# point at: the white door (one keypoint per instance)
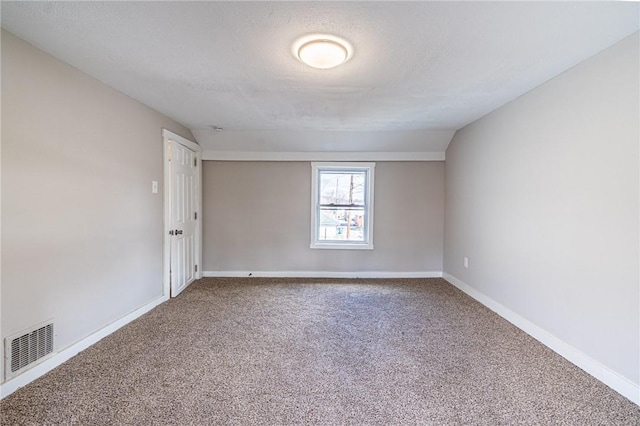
(183, 216)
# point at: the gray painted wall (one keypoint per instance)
(81, 230)
(257, 218)
(542, 197)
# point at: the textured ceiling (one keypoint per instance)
(419, 69)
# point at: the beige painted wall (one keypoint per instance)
(542, 197)
(257, 218)
(81, 230)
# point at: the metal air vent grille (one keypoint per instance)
(28, 348)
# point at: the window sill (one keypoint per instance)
(342, 246)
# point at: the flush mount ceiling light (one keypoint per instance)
(322, 51)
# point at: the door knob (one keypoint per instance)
(178, 232)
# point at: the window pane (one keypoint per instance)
(342, 187)
(338, 224)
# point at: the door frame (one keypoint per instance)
(169, 137)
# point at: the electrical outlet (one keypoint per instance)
(465, 262)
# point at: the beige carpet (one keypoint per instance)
(328, 352)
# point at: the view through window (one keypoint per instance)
(342, 206)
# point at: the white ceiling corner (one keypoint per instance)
(420, 70)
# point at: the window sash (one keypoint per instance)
(343, 206)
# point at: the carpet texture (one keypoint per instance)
(261, 351)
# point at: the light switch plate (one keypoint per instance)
(154, 186)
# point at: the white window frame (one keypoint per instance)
(316, 168)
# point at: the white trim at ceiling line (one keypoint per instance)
(610, 378)
(321, 156)
(23, 379)
(322, 274)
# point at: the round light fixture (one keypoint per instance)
(322, 51)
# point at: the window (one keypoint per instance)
(342, 205)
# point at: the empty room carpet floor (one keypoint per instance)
(257, 351)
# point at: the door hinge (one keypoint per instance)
(195, 215)
(196, 268)
(195, 162)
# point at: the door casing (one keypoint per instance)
(168, 139)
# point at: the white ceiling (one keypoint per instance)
(420, 70)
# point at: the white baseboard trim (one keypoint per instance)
(615, 381)
(10, 386)
(323, 274)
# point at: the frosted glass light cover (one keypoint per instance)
(322, 54)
